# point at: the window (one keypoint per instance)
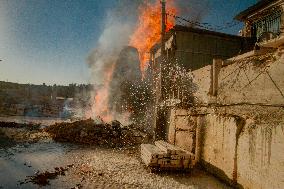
(270, 23)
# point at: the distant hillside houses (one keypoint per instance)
(41, 100)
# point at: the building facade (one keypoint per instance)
(194, 48)
(264, 20)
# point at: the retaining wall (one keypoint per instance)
(241, 152)
(256, 80)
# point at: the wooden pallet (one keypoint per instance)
(166, 156)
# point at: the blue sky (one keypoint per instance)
(50, 40)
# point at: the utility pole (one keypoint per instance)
(163, 48)
(163, 2)
(159, 130)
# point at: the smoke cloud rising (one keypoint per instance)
(115, 36)
(119, 26)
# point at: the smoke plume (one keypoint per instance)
(115, 36)
(115, 83)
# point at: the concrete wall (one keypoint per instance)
(250, 82)
(202, 79)
(248, 154)
(181, 129)
(241, 144)
(244, 81)
(261, 156)
(219, 145)
(241, 152)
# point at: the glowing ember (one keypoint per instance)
(149, 29)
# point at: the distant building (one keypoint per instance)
(264, 20)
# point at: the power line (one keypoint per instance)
(205, 25)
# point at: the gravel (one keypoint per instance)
(122, 168)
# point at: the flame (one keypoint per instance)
(148, 31)
(99, 107)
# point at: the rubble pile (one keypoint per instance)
(164, 156)
(90, 132)
(30, 126)
(11, 132)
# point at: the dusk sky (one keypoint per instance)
(48, 41)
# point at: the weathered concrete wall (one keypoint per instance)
(251, 82)
(219, 145)
(202, 79)
(245, 81)
(181, 129)
(242, 144)
(240, 151)
(261, 156)
(249, 154)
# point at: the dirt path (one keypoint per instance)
(93, 167)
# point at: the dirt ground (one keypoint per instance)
(89, 166)
(92, 167)
(122, 168)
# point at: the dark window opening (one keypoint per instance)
(268, 24)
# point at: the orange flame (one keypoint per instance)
(100, 105)
(149, 29)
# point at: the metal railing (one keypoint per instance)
(268, 24)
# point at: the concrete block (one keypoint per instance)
(149, 161)
(175, 157)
